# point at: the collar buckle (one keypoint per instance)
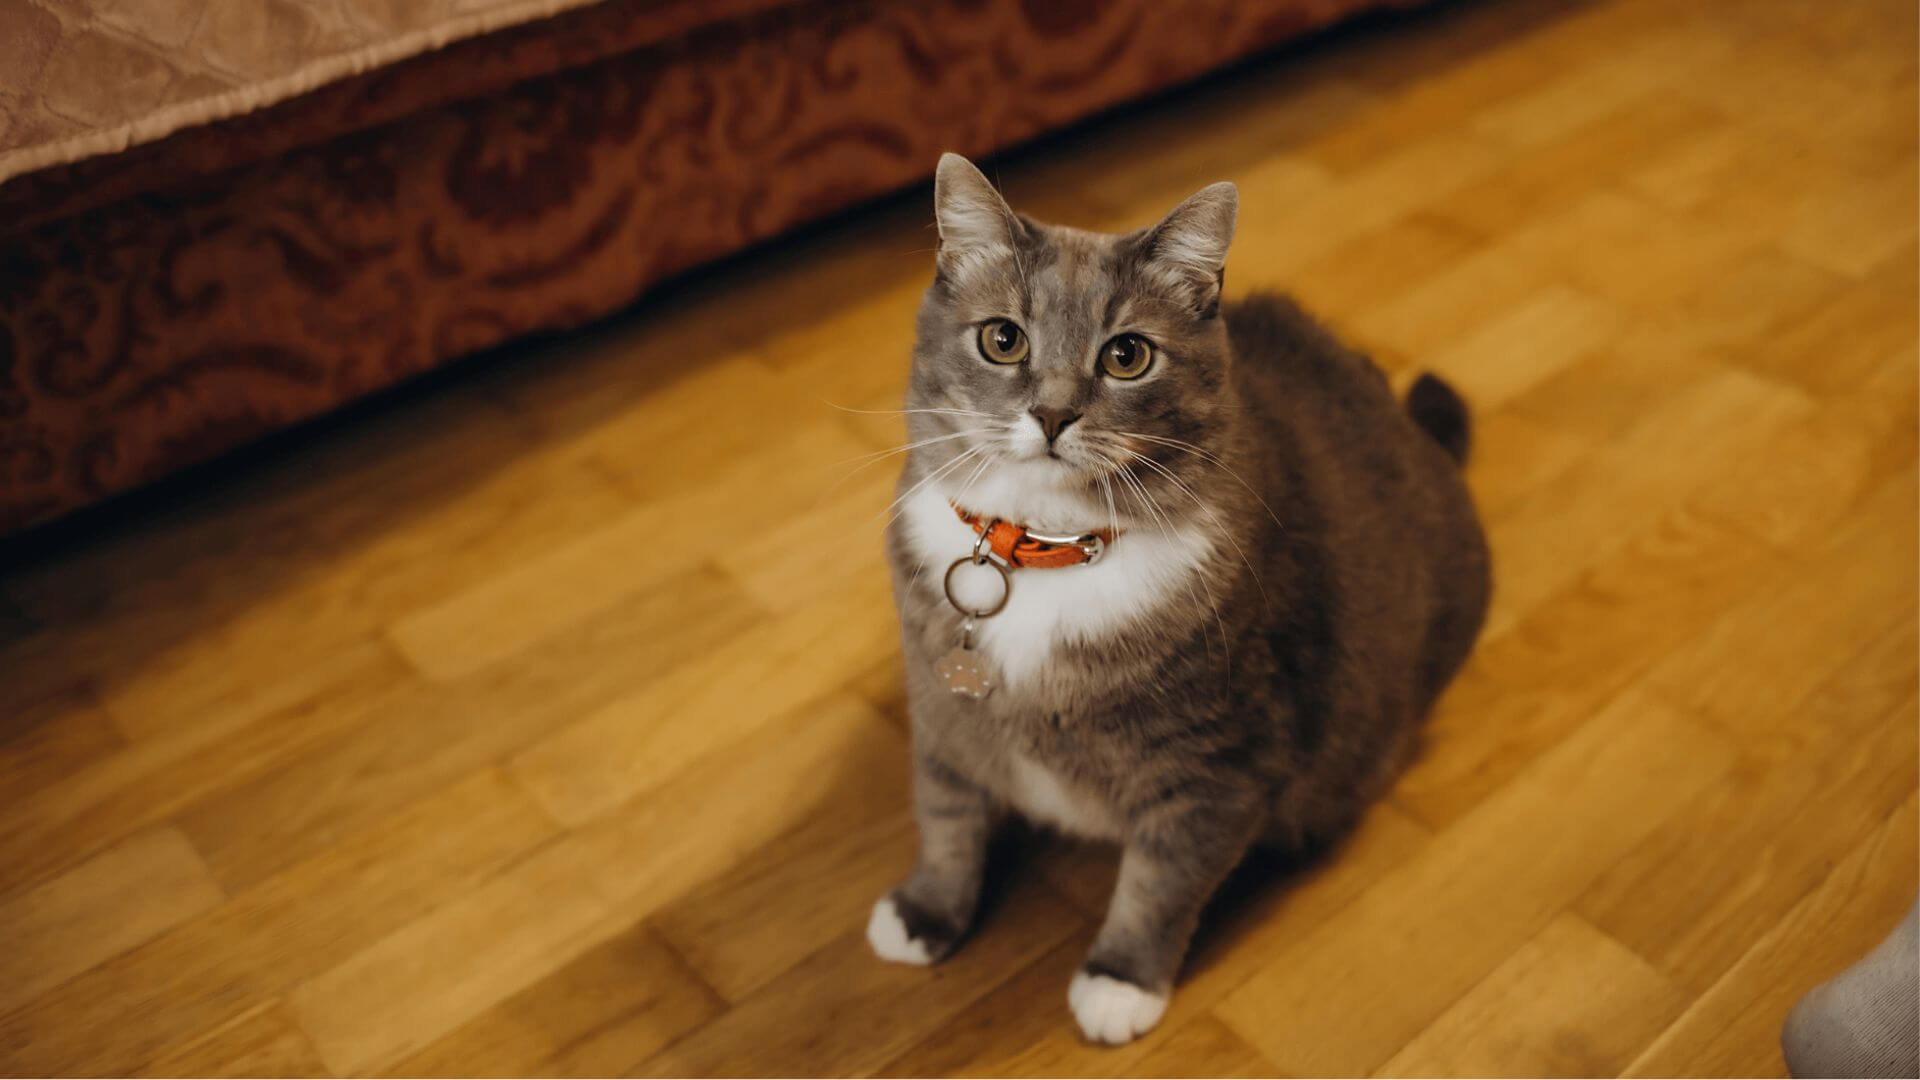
(1091, 544)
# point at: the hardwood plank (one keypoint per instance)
(1340, 1001)
(659, 540)
(203, 622)
(1024, 1028)
(262, 942)
(1672, 453)
(1855, 335)
(1529, 687)
(822, 878)
(48, 739)
(1292, 234)
(431, 975)
(845, 1010)
(1734, 1028)
(719, 318)
(1604, 395)
(220, 544)
(1437, 80)
(1816, 474)
(1105, 175)
(1030, 1008)
(121, 898)
(1849, 231)
(263, 1041)
(609, 1007)
(1380, 264)
(1762, 657)
(1631, 252)
(1692, 898)
(254, 829)
(812, 354)
(1570, 1002)
(735, 805)
(722, 408)
(1512, 456)
(1201, 1047)
(1542, 334)
(44, 831)
(1533, 182)
(463, 958)
(452, 541)
(1586, 92)
(1454, 302)
(1748, 301)
(170, 699)
(639, 741)
(787, 567)
(1780, 89)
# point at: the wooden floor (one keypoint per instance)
(527, 724)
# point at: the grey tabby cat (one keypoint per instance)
(1231, 574)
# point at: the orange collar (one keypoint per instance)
(1018, 546)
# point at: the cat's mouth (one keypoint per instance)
(1060, 461)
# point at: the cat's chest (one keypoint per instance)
(1045, 796)
(1047, 608)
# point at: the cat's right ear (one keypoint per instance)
(974, 220)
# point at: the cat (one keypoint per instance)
(1268, 569)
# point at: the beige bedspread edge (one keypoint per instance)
(259, 95)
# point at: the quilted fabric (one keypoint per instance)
(159, 329)
(85, 77)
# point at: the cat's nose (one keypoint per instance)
(1053, 421)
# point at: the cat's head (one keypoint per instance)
(1060, 358)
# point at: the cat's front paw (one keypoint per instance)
(1111, 1010)
(902, 933)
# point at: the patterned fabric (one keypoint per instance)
(161, 327)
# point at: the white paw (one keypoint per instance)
(888, 936)
(1112, 1011)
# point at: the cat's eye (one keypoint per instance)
(1127, 356)
(1002, 342)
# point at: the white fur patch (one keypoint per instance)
(1026, 439)
(1040, 795)
(1143, 568)
(887, 933)
(1111, 1011)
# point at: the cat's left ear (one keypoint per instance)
(1187, 252)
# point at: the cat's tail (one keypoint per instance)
(1440, 412)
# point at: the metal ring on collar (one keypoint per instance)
(983, 547)
(1006, 586)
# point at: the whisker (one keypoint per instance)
(916, 444)
(875, 457)
(904, 412)
(925, 480)
(1106, 488)
(1211, 516)
(1205, 456)
(1153, 507)
(892, 507)
(978, 470)
(904, 447)
(986, 457)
